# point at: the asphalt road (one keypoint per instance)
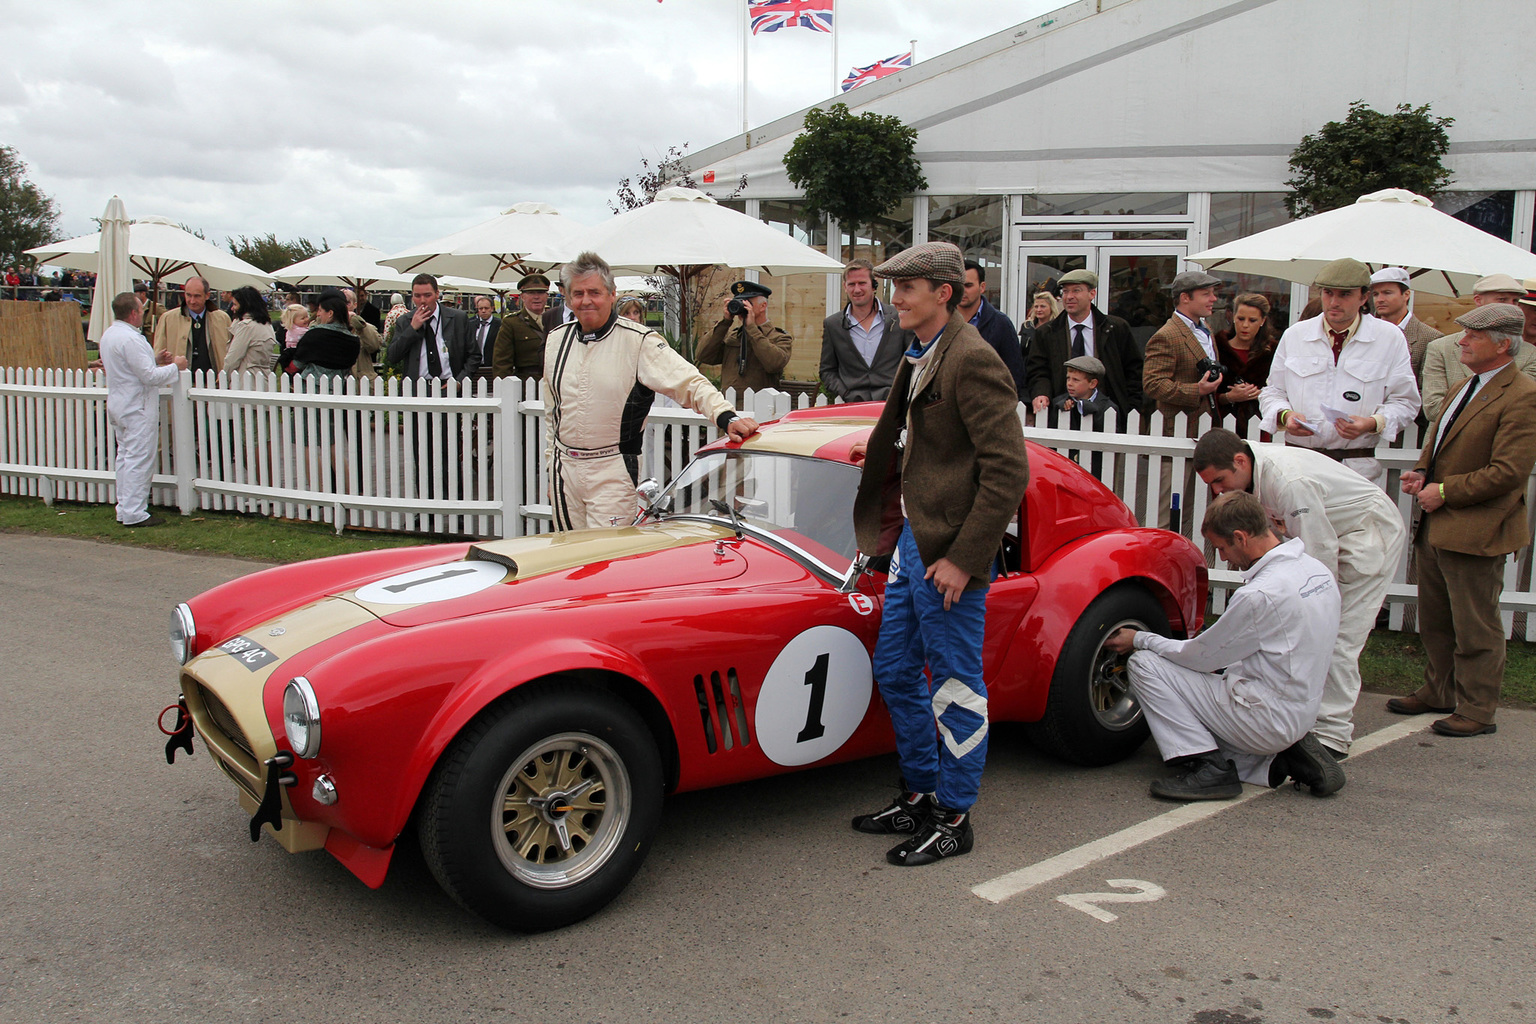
(130, 891)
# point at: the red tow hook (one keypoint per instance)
(181, 735)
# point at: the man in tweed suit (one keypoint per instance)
(1171, 374)
(944, 472)
(1470, 487)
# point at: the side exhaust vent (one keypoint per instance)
(721, 711)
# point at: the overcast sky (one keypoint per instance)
(396, 122)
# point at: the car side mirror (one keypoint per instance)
(649, 492)
(859, 567)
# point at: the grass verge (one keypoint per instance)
(1394, 663)
(232, 534)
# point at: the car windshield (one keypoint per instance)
(805, 502)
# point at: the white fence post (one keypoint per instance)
(183, 448)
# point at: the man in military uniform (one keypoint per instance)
(519, 350)
(760, 362)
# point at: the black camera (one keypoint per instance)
(1210, 369)
(737, 307)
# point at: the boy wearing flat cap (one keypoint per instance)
(752, 353)
(944, 472)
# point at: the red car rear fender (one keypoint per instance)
(1164, 563)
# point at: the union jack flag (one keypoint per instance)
(879, 69)
(772, 15)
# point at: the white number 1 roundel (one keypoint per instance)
(814, 697)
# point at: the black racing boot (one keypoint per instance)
(905, 814)
(1208, 777)
(1308, 762)
(946, 833)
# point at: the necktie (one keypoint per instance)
(1338, 343)
(1078, 347)
(434, 361)
(1445, 427)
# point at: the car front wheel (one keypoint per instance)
(544, 808)
(1091, 718)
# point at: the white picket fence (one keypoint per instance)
(452, 460)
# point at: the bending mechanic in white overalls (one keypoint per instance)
(1345, 521)
(135, 375)
(599, 374)
(1237, 703)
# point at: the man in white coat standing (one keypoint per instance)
(1344, 521)
(1342, 382)
(1236, 704)
(135, 375)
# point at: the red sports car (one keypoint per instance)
(529, 702)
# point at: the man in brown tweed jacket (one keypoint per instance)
(944, 473)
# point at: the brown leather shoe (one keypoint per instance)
(1461, 725)
(1411, 705)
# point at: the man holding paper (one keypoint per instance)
(1343, 381)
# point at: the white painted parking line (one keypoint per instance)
(1005, 886)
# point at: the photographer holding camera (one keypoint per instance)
(1183, 372)
(752, 353)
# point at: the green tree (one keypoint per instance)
(856, 168)
(28, 218)
(1366, 152)
(266, 252)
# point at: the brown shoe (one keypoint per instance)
(1461, 725)
(1411, 705)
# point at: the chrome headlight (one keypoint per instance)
(183, 634)
(301, 717)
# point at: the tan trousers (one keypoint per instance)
(1463, 633)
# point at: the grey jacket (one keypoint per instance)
(844, 373)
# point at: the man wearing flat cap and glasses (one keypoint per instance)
(944, 472)
(1341, 382)
(1470, 485)
(1443, 368)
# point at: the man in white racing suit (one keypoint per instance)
(1342, 382)
(1344, 521)
(600, 373)
(1237, 703)
(135, 375)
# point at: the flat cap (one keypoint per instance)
(533, 283)
(1530, 292)
(1086, 364)
(140, 286)
(1193, 280)
(1086, 277)
(1497, 283)
(933, 261)
(1503, 317)
(750, 290)
(1392, 275)
(1345, 273)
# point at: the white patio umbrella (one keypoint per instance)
(521, 239)
(1390, 228)
(113, 273)
(684, 233)
(159, 251)
(351, 264)
(470, 286)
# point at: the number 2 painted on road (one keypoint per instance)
(1088, 902)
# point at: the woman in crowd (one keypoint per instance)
(1246, 351)
(252, 342)
(1042, 310)
(329, 348)
(397, 309)
(632, 309)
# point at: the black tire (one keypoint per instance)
(496, 849)
(1090, 716)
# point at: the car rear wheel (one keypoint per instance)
(544, 808)
(1090, 716)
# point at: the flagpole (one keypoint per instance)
(914, 51)
(745, 128)
(836, 23)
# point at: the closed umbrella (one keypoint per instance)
(112, 274)
(521, 239)
(162, 252)
(351, 264)
(1390, 228)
